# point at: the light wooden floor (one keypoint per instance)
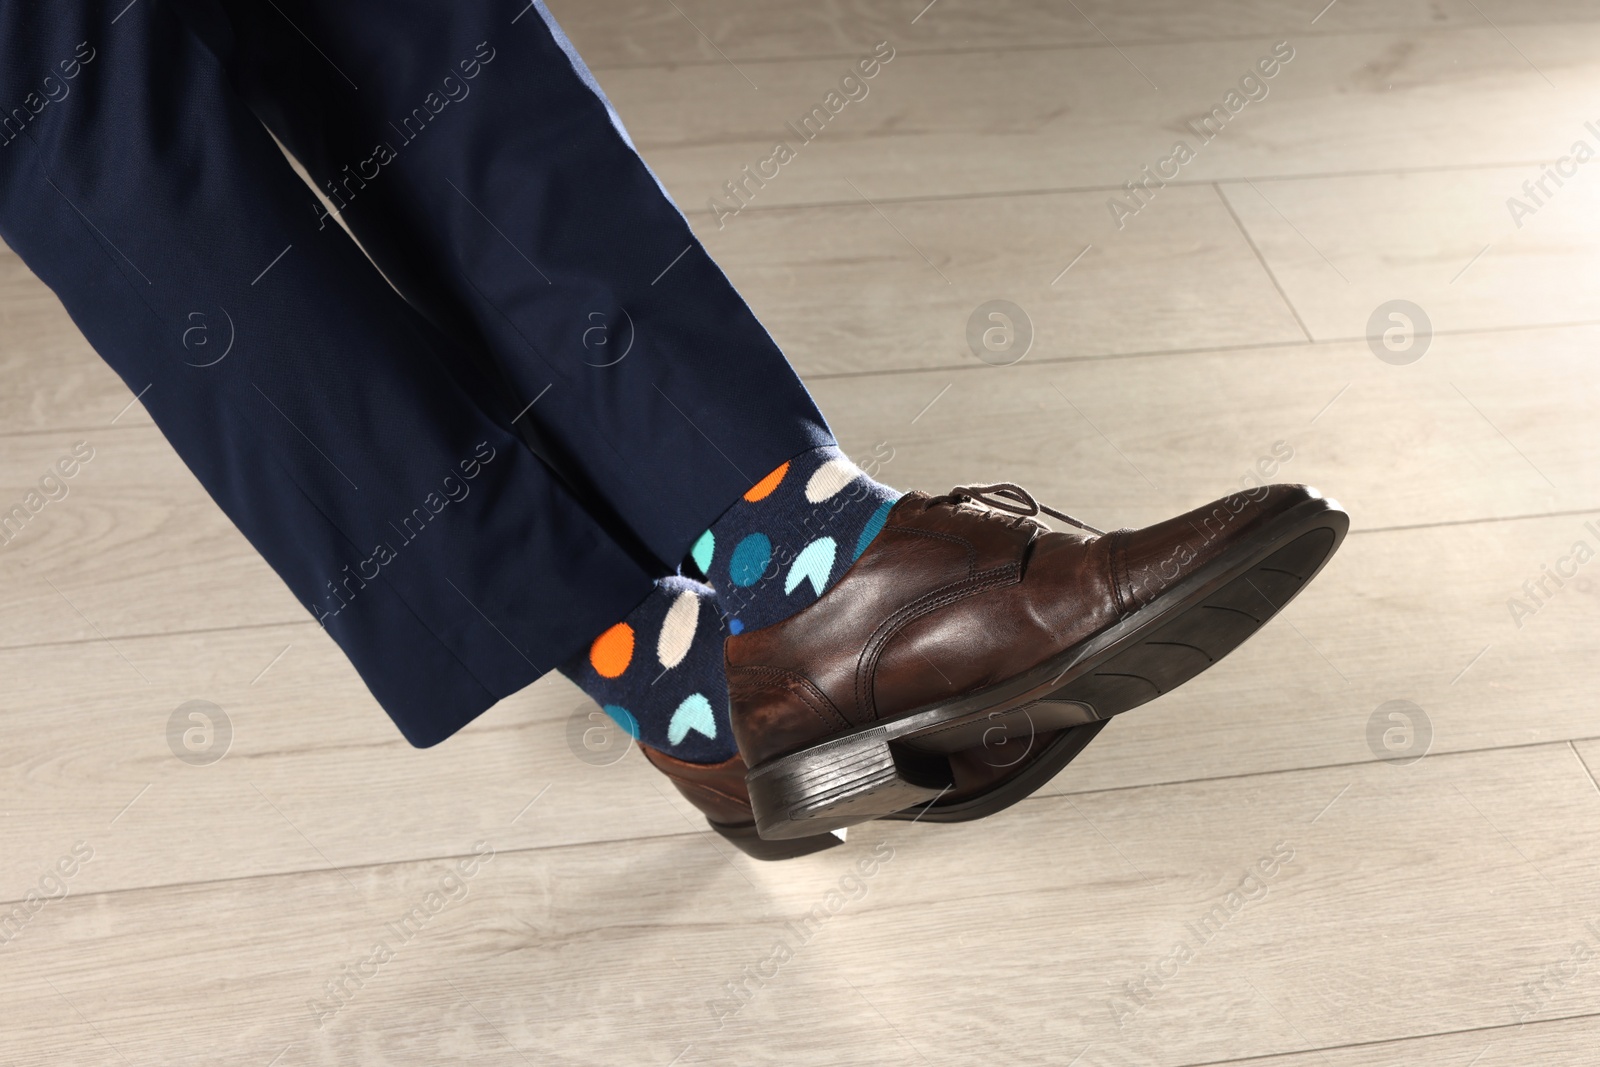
(1442, 911)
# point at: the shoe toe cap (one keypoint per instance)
(1149, 560)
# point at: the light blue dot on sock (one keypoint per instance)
(695, 713)
(750, 559)
(814, 563)
(623, 718)
(702, 551)
(873, 527)
(735, 626)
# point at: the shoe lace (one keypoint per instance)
(1011, 499)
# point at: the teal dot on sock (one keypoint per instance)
(874, 525)
(750, 559)
(623, 718)
(702, 551)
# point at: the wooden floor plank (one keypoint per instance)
(1422, 900)
(53, 378)
(134, 546)
(1559, 1042)
(636, 32)
(1482, 427)
(1003, 121)
(903, 285)
(1344, 247)
(299, 770)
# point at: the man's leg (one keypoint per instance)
(470, 153)
(336, 427)
(889, 638)
(483, 170)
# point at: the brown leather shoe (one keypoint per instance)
(965, 616)
(986, 779)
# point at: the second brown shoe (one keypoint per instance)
(964, 615)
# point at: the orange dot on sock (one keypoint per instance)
(763, 489)
(612, 651)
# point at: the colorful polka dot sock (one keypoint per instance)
(791, 536)
(659, 673)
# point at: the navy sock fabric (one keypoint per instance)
(659, 673)
(790, 537)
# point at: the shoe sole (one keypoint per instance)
(879, 770)
(1045, 766)
(1050, 761)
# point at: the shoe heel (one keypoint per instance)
(746, 840)
(840, 782)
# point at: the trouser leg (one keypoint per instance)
(341, 431)
(475, 159)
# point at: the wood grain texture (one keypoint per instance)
(1436, 911)
(135, 546)
(315, 775)
(1558, 1041)
(854, 289)
(1482, 427)
(53, 379)
(1400, 901)
(637, 32)
(1341, 247)
(960, 123)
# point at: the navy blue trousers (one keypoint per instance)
(466, 455)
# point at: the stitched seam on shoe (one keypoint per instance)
(867, 666)
(798, 685)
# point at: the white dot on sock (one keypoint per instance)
(678, 628)
(831, 477)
